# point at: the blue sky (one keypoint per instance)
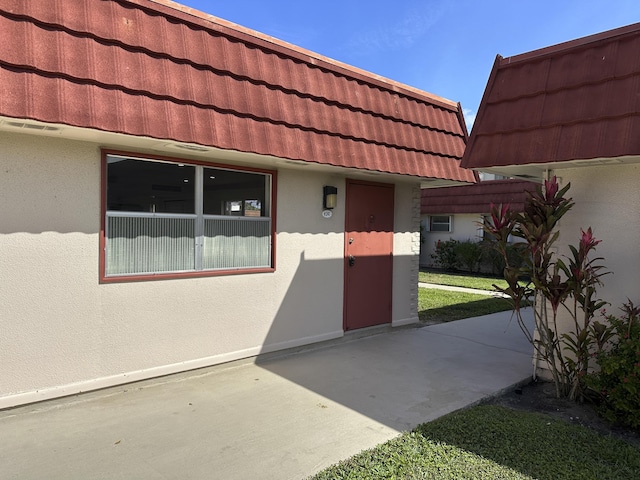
(446, 47)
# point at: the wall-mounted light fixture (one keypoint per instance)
(329, 197)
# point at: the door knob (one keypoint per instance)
(352, 260)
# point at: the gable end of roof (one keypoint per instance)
(573, 101)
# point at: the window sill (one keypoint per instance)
(175, 276)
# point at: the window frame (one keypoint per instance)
(483, 235)
(450, 223)
(271, 196)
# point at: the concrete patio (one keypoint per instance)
(284, 416)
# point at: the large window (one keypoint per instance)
(165, 217)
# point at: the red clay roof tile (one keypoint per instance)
(143, 68)
(475, 198)
(572, 101)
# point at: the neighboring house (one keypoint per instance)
(457, 212)
(179, 191)
(573, 110)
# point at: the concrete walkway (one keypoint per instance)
(280, 417)
(435, 286)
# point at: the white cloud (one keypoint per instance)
(469, 117)
(401, 34)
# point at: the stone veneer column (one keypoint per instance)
(415, 248)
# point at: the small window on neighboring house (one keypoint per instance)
(440, 223)
(485, 219)
(168, 217)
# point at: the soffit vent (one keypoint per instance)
(297, 163)
(191, 148)
(31, 126)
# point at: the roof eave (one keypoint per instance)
(570, 45)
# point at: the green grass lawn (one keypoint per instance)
(445, 306)
(488, 442)
(492, 442)
(481, 283)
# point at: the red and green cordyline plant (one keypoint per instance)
(555, 284)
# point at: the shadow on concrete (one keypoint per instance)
(405, 376)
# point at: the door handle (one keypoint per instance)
(352, 260)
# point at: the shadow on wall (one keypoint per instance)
(311, 306)
(327, 296)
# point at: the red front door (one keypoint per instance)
(368, 250)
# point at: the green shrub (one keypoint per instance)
(468, 255)
(445, 254)
(493, 262)
(516, 253)
(617, 384)
(474, 257)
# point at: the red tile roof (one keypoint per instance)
(161, 70)
(475, 198)
(573, 101)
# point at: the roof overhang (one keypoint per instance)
(536, 172)
(171, 148)
(438, 182)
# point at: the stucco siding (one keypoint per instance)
(64, 332)
(50, 308)
(607, 199)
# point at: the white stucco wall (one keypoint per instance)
(607, 199)
(465, 227)
(63, 332)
